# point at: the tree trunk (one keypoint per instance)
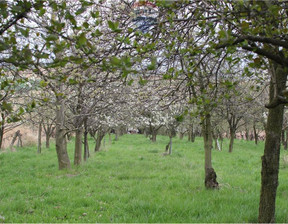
(61, 145)
(47, 140)
(210, 175)
(110, 139)
(170, 146)
(48, 129)
(78, 147)
(2, 128)
(100, 136)
(154, 135)
(193, 136)
(247, 134)
(270, 159)
(16, 135)
(117, 133)
(39, 137)
(86, 145)
(1, 136)
(255, 134)
(232, 137)
(286, 141)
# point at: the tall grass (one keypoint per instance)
(131, 181)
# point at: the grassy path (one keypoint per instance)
(130, 181)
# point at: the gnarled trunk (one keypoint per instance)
(270, 159)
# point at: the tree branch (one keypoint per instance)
(14, 20)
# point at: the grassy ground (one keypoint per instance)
(130, 181)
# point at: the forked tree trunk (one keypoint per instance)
(270, 159)
(48, 129)
(16, 136)
(210, 175)
(61, 145)
(154, 136)
(47, 140)
(78, 147)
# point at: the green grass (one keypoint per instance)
(130, 181)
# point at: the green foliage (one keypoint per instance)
(114, 26)
(130, 181)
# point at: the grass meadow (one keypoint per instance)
(131, 181)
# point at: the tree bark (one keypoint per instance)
(86, 145)
(170, 146)
(117, 133)
(232, 137)
(2, 128)
(78, 147)
(100, 136)
(39, 137)
(48, 129)
(270, 159)
(154, 136)
(286, 140)
(16, 135)
(47, 140)
(61, 145)
(210, 175)
(255, 134)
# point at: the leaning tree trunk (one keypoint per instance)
(270, 159)
(210, 175)
(61, 145)
(78, 147)
(100, 136)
